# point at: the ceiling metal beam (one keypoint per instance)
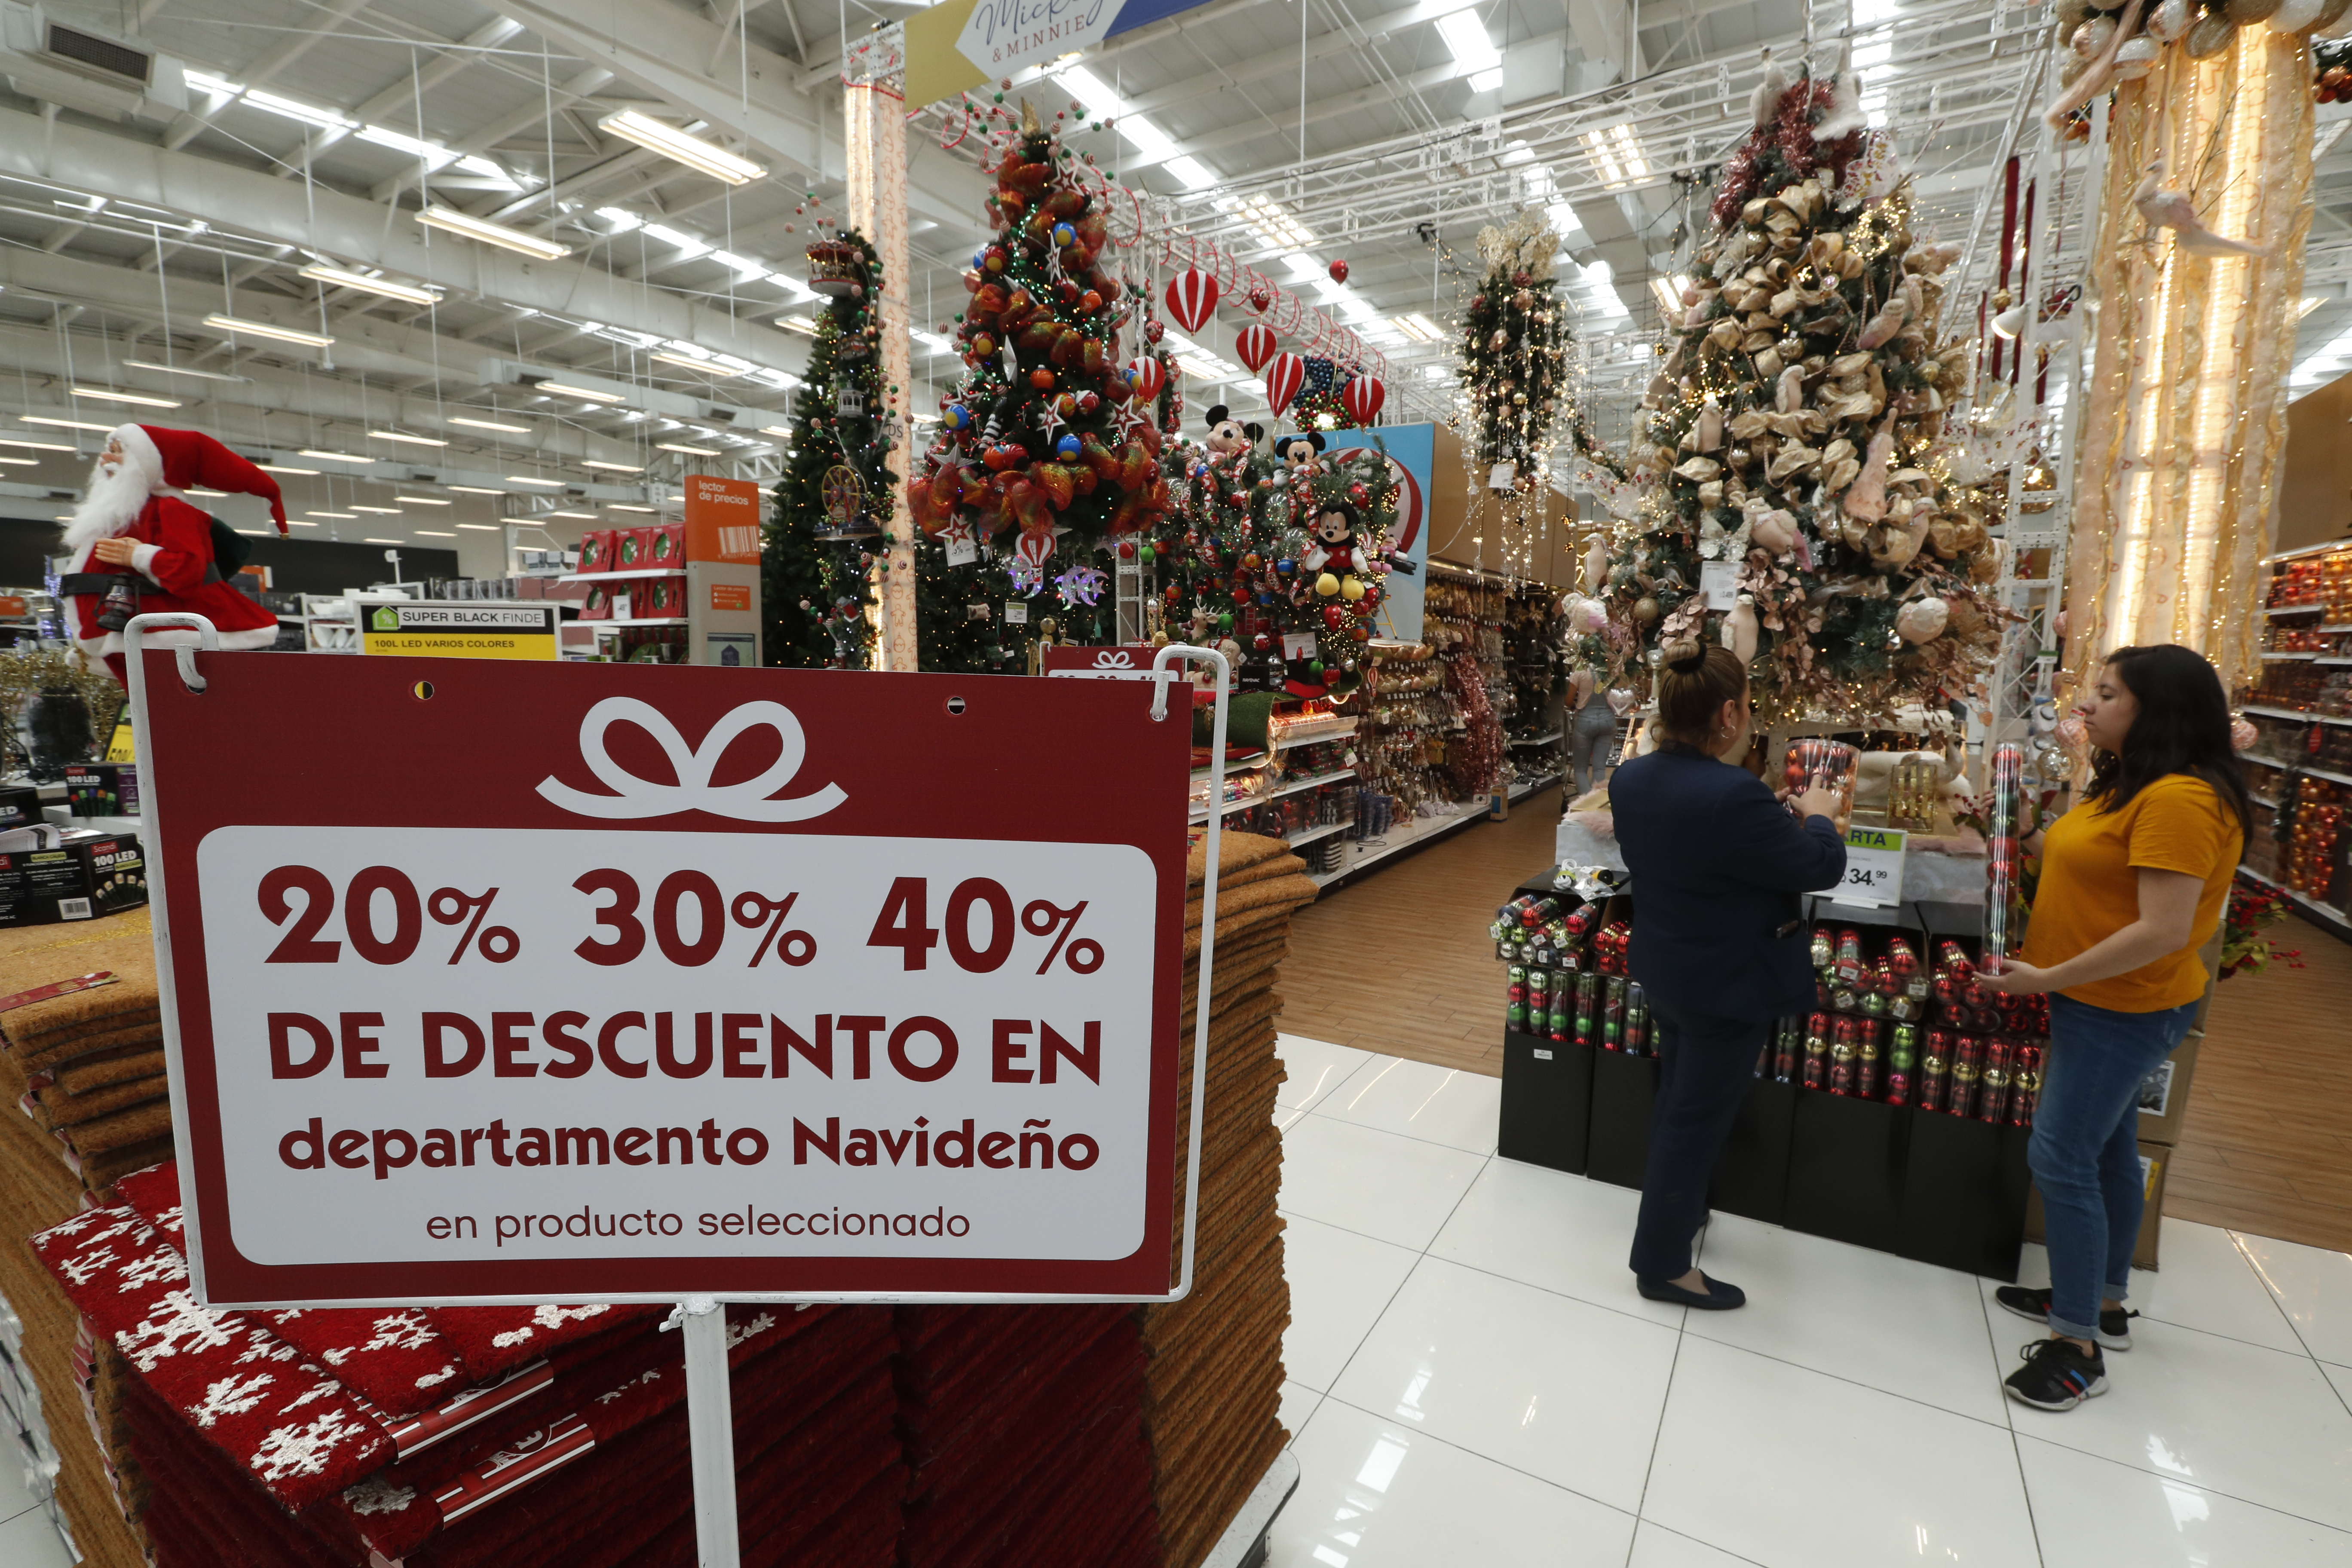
(244, 201)
(265, 66)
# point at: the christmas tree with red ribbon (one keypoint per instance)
(1044, 456)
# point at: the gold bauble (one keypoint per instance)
(1645, 610)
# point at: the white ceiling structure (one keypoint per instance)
(155, 242)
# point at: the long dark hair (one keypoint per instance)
(2183, 728)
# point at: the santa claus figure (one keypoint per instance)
(138, 549)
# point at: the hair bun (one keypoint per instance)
(1685, 657)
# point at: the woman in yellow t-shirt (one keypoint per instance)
(2133, 882)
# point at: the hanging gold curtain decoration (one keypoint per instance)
(2185, 419)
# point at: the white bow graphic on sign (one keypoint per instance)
(1114, 658)
(637, 798)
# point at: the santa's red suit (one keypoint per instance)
(174, 564)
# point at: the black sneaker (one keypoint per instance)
(2115, 1322)
(2056, 1375)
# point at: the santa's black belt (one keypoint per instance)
(73, 585)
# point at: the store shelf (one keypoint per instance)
(2294, 609)
(1521, 792)
(2335, 920)
(1250, 800)
(1286, 743)
(1421, 830)
(1539, 740)
(2280, 657)
(2328, 658)
(632, 621)
(2261, 800)
(1309, 835)
(2301, 717)
(622, 576)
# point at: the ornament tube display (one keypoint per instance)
(2004, 923)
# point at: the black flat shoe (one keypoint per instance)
(1718, 1297)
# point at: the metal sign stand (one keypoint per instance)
(702, 1320)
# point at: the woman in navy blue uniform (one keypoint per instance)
(1719, 940)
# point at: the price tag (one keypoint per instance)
(1016, 614)
(1873, 867)
(963, 551)
(1718, 583)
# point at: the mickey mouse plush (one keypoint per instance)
(1338, 548)
(1300, 449)
(1228, 435)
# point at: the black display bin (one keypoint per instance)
(1547, 1101)
(1625, 1091)
(1964, 1194)
(1847, 1162)
(1751, 1176)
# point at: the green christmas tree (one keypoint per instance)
(1795, 434)
(1041, 453)
(834, 500)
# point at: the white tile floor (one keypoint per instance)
(1472, 1379)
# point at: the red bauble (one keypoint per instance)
(1126, 550)
(1260, 296)
(1090, 301)
(1334, 617)
(1088, 401)
(1261, 642)
(1358, 493)
(1042, 379)
(1153, 331)
(1241, 596)
(1338, 271)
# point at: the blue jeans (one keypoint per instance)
(1592, 732)
(2085, 1149)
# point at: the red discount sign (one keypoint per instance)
(548, 981)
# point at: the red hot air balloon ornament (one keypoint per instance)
(1362, 398)
(1338, 271)
(1191, 297)
(1256, 344)
(1284, 377)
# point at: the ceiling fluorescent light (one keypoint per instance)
(282, 469)
(338, 516)
(380, 511)
(708, 367)
(797, 324)
(383, 542)
(200, 491)
(487, 425)
(141, 398)
(471, 490)
(451, 221)
(1465, 36)
(298, 522)
(565, 389)
(527, 480)
(238, 327)
(341, 278)
(431, 500)
(411, 440)
(576, 516)
(336, 456)
(37, 446)
(616, 468)
(1195, 175)
(625, 506)
(765, 430)
(61, 424)
(182, 370)
(434, 533)
(480, 527)
(690, 451)
(679, 146)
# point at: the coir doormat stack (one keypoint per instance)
(1023, 1434)
(81, 1076)
(1214, 1381)
(511, 1436)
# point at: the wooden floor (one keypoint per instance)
(2267, 1145)
(1401, 962)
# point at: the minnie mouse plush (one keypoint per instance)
(1228, 435)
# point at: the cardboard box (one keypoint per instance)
(1547, 1104)
(85, 877)
(2211, 953)
(668, 545)
(598, 606)
(2164, 1094)
(596, 549)
(662, 596)
(1751, 1174)
(103, 789)
(632, 547)
(1624, 1093)
(2154, 1160)
(20, 805)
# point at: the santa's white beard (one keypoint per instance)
(110, 503)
